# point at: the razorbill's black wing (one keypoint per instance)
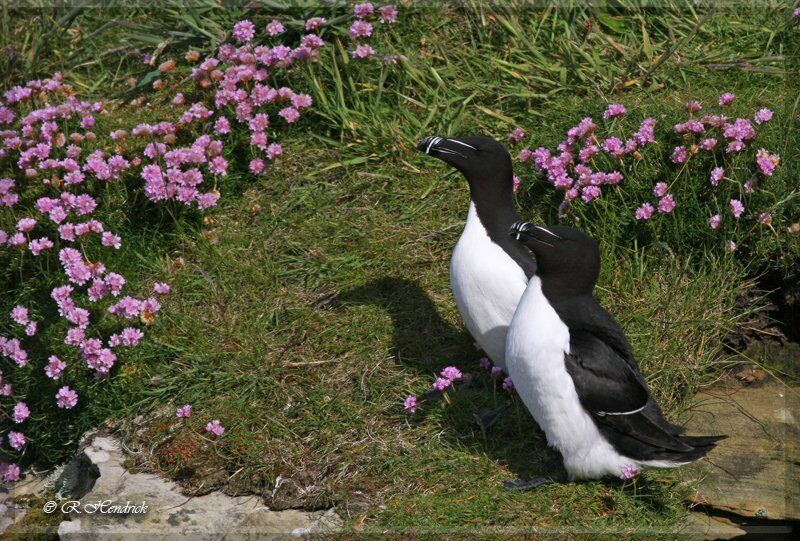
(617, 397)
(580, 313)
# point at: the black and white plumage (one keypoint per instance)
(574, 369)
(488, 270)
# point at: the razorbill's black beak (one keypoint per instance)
(526, 232)
(440, 147)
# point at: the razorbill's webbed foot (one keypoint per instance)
(486, 419)
(536, 482)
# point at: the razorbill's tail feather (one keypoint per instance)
(575, 371)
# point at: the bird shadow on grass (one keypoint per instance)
(424, 340)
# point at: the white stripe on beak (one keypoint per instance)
(462, 144)
(433, 141)
(548, 232)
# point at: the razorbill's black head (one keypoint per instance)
(568, 259)
(486, 164)
(483, 161)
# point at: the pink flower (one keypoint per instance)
(185, 411)
(508, 385)
(614, 110)
(289, 114)
(708, 144)
(734, 146)
(111, 240)
(731, 246)
(693, 106)
(485, 363)
(517, 135)
(256, 166)
(274, 150)
(410, 404)
(496, 370)
(517, 182)
(660, 189)
(524, 155)
(767, 162)
(130, 336)
(363, 51)
(26, 224)
(115, 282)
(362, 11)
(666, 204)
(20, 315)
(21, 412)
(301, 101)
(590, 193)
(441, 384)
(9, 472)
(726, 98)
(30, 328)
(388, 14)
(360, 29)
(716, 175)
(17, 240)
(679, 154)
(715, 221)
(645, 212)
(315, 22)
(763, 115)
(244, 31)
(16, 440)
(629, 472)
(765, 218)
(222, 126)
(54, 367)
(613, 146)
(737, 208)
(740, 130)
(275, 27)
(215, 428)
(452, 373)
(161, 288)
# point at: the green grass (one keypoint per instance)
(314, 299)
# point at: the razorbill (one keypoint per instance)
(488, 270)
(573, 367)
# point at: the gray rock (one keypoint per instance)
(169, 513)
(755, 473)
(703, 527)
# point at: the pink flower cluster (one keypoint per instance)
(666, 202)
(576, 168)
(361, 29)
(49, 147)
(738, 134)
(44, 129)
(446, 378)
(240, 78)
